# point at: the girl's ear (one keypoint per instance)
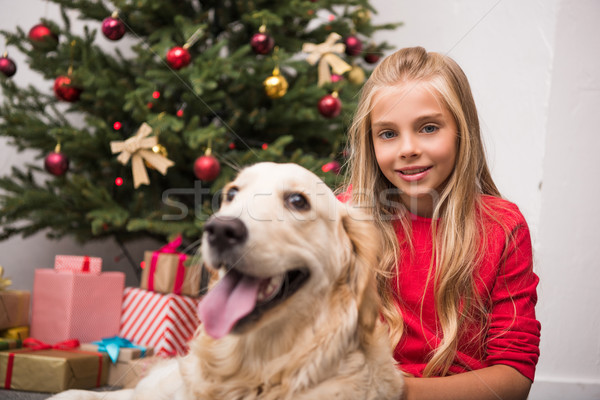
(365, 241)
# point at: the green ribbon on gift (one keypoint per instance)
(113, 345)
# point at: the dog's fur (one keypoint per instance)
(325, 341)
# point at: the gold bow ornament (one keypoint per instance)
(326, 54)
(4, 282)
(138, 148)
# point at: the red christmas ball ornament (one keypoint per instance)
(113, 28)
(42, 37)
(372, 55)
(262, 43)
(207, 168)
(178, 57)
(336, 78)
(330, 105)
(56, 163)
(64, 89)
(332, 166)
(179, 113)
(353, 45)
(7, 66)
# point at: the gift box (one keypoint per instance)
(41, 368)
(123, 368)
(18, 332)
(128, 374)
(76, 305)
(165, 271)
(119, 349)
(14, 308)
(78, 264)
(163, 321)
(6, 344)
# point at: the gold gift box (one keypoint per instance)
(125, 353)
(166, 273)
(53, 371)
(14, 308)
(129, 368)
(127, 374)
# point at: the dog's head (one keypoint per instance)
(281, 241)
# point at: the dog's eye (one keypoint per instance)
(231, 194)
(297, 201)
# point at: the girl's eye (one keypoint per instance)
(387, 134)
(231, 194)
(430, 129)
(297, 201)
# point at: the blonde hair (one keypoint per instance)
(457, 235)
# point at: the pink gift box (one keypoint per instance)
(164, 321)
(82, 306)
(78, 264)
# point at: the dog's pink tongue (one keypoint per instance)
(230, 300)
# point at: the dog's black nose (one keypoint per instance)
(223, 232)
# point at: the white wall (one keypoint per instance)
(534, 67)
(569, 255)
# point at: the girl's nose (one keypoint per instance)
(409, 147)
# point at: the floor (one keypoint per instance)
(17, 395)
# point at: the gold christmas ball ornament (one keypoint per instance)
(356, 75)
(158, 149)
(361, 16)
(275, 86)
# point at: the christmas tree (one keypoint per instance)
(138, 143)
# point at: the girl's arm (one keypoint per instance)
(498, 382)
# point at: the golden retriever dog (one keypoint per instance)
(295, 313)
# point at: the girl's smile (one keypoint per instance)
(414, 139)
(411, 174)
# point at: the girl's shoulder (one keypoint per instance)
(496, 211)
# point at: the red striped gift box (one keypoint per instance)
(163, 321)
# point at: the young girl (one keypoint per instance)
(456, 275)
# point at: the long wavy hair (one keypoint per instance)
(457, 218)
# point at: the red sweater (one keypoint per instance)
(508, 289)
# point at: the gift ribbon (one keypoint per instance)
(31, 344)
(169, 248)
(139, 148)
(86, 264)
(114, 344)
(15, 333)
(326, 54)
(35, 344)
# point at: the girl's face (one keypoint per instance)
(415, 140)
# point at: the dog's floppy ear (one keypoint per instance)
(366, 242)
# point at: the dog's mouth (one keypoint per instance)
(239, 299)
